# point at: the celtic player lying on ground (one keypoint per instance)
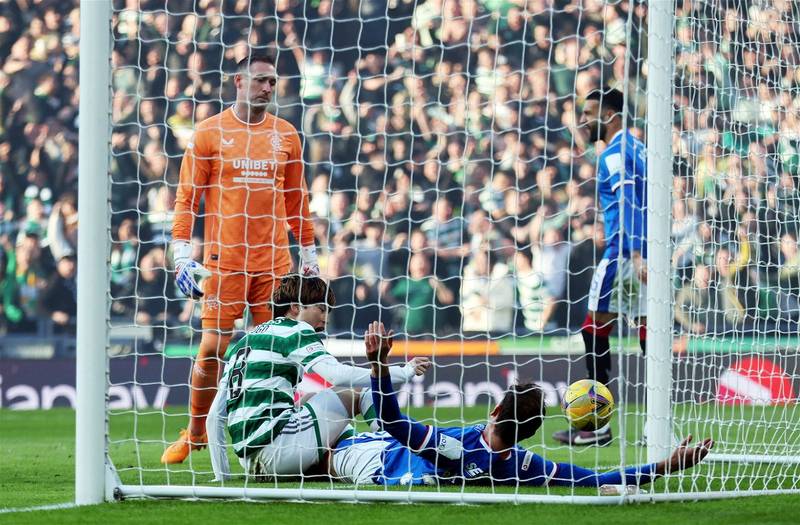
(409, 452)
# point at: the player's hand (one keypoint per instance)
(685, 456)
(420, 365)
(187, 270)
(309, 270)
(309, 267)
(372, 343)
(186, 276)
(639, 266)
(378, 343)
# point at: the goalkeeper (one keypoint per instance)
(412, 453)
(247, 164)
(256, 395)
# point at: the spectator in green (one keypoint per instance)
(124, 255)
(23, 284)
(314, 69)
(419, 293)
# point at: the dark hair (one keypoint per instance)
(611, 99)
(71, 198)
(295, 289)
(521, 414)
(282, 297)
(244, 63)
(374, 224)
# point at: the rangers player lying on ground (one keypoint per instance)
(409, 452)
(256, 396)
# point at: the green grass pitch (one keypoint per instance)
(36, 468)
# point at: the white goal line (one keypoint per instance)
(396, 496)
(54, 506)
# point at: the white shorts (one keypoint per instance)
(618, 291)
(302, 443)
(357, 462)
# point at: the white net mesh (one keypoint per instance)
(454, 196)
(734, 232)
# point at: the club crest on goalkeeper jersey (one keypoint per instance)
(252, 178)
(261, 374)
(622, 191)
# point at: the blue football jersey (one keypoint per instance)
(461, 454)
(622, 191)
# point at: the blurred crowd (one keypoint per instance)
(451, 184)
(38, 166)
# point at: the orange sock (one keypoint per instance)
(205, 377)
(204, 388)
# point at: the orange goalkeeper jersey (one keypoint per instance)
(252, 179)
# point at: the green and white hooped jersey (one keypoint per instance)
(261, 374)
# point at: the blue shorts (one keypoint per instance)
(616, 291)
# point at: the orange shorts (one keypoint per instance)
(226, 293)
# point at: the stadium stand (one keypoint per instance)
(451, 153)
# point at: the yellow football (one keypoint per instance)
(588, 404)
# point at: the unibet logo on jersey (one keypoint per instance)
(255, 171)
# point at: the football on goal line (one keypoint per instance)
(588, 404)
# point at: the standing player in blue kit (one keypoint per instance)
(620, 279)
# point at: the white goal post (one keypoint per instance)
(659, 224)
(667, 393)
(91, 441)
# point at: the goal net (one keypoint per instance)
(454, 194)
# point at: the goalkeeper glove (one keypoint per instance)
(309, 267)
(186, 269)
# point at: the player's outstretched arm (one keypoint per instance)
(409, 433)
(339, 374)
(684, 457)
